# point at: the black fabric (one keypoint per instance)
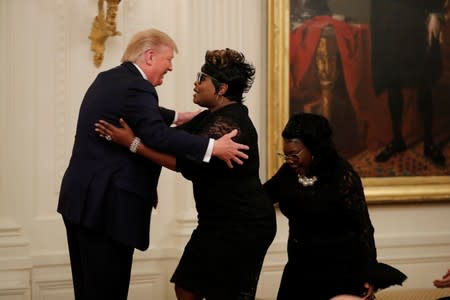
(101, 267)
(400, 52)
(383, 276)
(236, 219)
(330, 233)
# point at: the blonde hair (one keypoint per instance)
(145, 40)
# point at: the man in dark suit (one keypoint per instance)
(406, 54)
(107, 193)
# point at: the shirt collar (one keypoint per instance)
(140, 71)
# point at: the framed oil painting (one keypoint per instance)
(388, 104)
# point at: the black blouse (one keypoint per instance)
(228, 196)
(330, 216)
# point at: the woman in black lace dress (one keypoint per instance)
(331, 248)
(236, 219)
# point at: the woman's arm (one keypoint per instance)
(277, 183)
(353, 199)
(124, 136)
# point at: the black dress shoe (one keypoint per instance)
(433, 153)
(391, 149)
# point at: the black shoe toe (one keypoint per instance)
(391, 149)
(433, 153)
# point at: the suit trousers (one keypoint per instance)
(101, 267)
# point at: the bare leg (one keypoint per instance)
(182, 294)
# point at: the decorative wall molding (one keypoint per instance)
(413, 240)
(51, 271)
(55, 289)
(15, 284)
(16, 293)
(129, 19)
(5, 93)
(185, 224)
(14, 248)
(153, 284)
(61, 49)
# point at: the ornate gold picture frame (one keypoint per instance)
(378, 190)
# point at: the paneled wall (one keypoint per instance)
(47, 66)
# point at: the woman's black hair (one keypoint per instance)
(316, 134)
(230, 67)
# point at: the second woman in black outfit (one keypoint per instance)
(236, 219)
(331, 247)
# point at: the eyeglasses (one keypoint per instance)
(202, 76)
(292, 157)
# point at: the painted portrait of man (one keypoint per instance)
(379, 70)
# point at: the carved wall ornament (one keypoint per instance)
(103, 27)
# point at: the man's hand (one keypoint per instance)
(183, 117)
(229, 151)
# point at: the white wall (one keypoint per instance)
(47, 66)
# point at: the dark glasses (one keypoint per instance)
(291, 157)
(202, 76)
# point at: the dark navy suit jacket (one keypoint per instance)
(106, 187)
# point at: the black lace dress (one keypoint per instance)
(331, 243)
(236, 219)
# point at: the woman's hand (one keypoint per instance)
(370, 294)
(120, 135)
(444, 282)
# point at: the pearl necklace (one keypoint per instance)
(306, 181)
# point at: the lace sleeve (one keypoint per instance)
(214, 128)
(219, 126)
(355, 203)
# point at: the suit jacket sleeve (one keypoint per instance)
(150, 123)
(167, 114)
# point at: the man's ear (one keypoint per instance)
(149, 55)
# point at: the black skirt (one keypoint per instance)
(222, 264)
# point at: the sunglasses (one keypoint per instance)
(202, 76)
(291, 157)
